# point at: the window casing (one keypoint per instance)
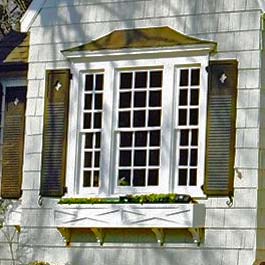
(139, 154)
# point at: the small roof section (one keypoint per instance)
(139, 38)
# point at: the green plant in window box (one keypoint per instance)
(137, 199)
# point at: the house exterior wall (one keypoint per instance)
(231, 235)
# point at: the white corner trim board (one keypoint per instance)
(31, 14)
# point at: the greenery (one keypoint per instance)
(140, 199)
(39, 263)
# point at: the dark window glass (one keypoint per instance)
(88, 159)
(184, 137)
(97, 120)
(89, 140)
(154, 138)
(194, 97)
(124, 178)
(183, 157)
(98, 135)
(89, 82)
(195, 77)
(193, 157)
(183, 97)
(96, 179)
(140, 99)
(194, 137)
(140, 79)
(156, 79)
(139, 158)
(182, 177)
(140, 138)
(139, 177)
(153, 177)
(184, 77)
(154, 118)
(193, 177)
(155, 99)
(125, 100)
(182, 117)
(194, 116)
(98, 101)
(87, 120)
(124, 119)
(99, 82)
(96, 159)
(87, 179)
(139, 118)
(154, 158)
(88, 101)
(125, 158)
(126, 139)
(126, 80)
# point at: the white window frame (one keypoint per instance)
(110, 63)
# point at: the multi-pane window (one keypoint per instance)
(91, 129)
(139, 128)
(187, 125)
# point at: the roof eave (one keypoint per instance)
(194, 48)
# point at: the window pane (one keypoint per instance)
(89, 140)
(194, 116)
(98, 102)
(87, 179)
(89, 82)
(125, 100)
(184, 77)
(183, 157)
(154, 158)
(124, 178)
(99, 82)
(124, 119)
(88, 102)
(193, 177)
(140, 99)
(88, 159)
(153, 177)
(154, 138)
(155, 99)
(87, 121)
(194, 97)
(141, 138)
(125, 158)
(96, 179)
(184, 137)
(126, 80)
(139, 177)
(194, 137)
(182, 117)
(96, 159)
(183, 177)
(97, 120)
(156, 79)
(193, 157)
(183, 97)
(154, 118)
(139, 158)
(140, 79)
(98, 136)
(125, 139)
(139, 118)
(195, 77)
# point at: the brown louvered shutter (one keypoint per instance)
(55, 133)
(220, 149)
(13, 142)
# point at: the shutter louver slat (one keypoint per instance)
(55, 133)
(13, 142)
(220, 152)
